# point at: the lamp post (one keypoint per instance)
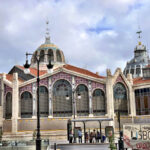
(27, 66)
(74, 113)
(120, 142)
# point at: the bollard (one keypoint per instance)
(54, 146)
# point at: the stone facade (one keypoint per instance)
(100, 97)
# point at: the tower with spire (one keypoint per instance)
(141, 59)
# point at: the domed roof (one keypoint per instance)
(48, 52)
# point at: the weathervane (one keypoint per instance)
(47, 37)
(139, 35)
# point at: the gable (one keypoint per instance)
(21, 73)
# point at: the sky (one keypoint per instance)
(93, 34)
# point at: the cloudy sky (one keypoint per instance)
(93, 34)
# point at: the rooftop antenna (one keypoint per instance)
(47, 36)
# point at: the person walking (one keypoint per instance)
(86, 137)
(80, 135)
(98, 136)
(70, 137)
(91, 137)
(94, 136)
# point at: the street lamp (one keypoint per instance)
(67, 98)
(120, 142)
(27, 66)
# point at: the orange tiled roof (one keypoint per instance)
(140, 80)
(33, 71)
(10, 78)
(82, 71)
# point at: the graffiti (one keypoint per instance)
(137, 136)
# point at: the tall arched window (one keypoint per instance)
(42, 56)
(61, 106)
(44, 105)
(50, 55)
(58, 55)
(26, 105)
(83, 103)
(98, 102)
(120, 99)
(8, 105)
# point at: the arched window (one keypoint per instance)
(83, 103)
(61, 106)
(58, 55)
(120, 99)
(44, 105)
(42, 56)
(50, 55)
(26, 105)
(98, 102)
(8, 105)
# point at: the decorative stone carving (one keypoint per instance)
(44, 82)
(108, 72)
(7, 89)
(79, 80)
(96, 85)
(26, 88)
(61, 75)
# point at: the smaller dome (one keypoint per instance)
(48, 52)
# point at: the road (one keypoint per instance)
(83, 147)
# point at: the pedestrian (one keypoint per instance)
(70, 137)
(80, 135)
(91, 137)
(103, 138)
(98, 136)
(86, 137)
(94, 136)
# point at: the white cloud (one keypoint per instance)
(23, 26)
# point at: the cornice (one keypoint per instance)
(102, 81)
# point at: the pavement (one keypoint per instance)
(83, 147)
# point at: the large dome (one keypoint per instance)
(48, 52)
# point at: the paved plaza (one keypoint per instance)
(83, 147)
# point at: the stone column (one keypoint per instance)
(34, 94)
(15, 103)
(50, 98)
(132, 104)
(90, 100)
(109, 97)
(74, 105)
(141, 70)
(55, 58)
(3, 101)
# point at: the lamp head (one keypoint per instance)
(79, 96)
(26, 66)
(49, 65)
(67, 97)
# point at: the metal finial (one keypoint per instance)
(47, 36)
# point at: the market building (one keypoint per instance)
(101, 96)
